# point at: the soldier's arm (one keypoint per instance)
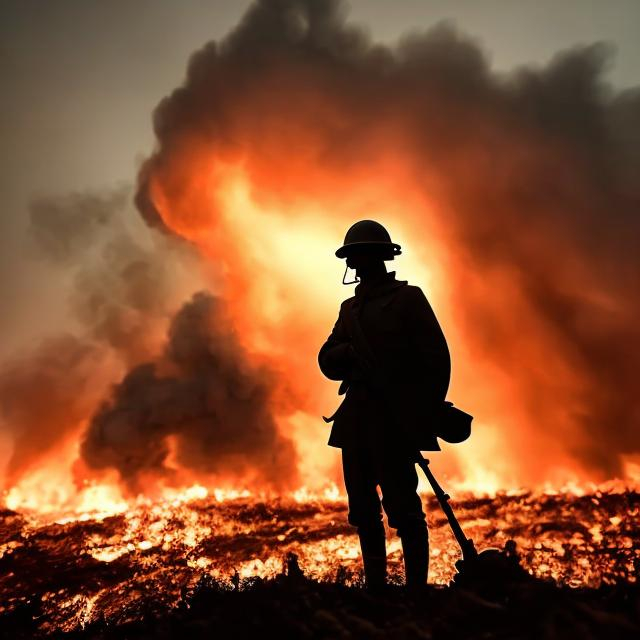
(432, 359)
(336, 354)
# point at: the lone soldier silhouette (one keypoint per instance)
(392, 359)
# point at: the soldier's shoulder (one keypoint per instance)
(414, 295)
(412, 291)
(347, 303)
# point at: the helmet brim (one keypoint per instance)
(393, 248)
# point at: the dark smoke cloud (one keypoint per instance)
(124, 286)
(48, 391)
(536, 178)
(204, 392)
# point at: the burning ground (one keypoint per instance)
(89, 571)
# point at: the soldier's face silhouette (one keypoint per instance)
(366, 260)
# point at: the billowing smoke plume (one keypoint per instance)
(95, 263)
(206, 393)
(531, 181)
(521, 192)
(125, 287)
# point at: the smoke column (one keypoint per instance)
(210, 397)
(528, 182)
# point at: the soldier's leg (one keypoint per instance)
(365, 513)
(399, 484)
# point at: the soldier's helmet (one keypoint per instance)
(369, 234)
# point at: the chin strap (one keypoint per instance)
(344, 277)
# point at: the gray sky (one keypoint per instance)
(81, 78)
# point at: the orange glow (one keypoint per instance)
(271, 257)
(266, 213)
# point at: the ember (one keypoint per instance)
(71, 571)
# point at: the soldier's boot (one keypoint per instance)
(374, 556)
(415, 549)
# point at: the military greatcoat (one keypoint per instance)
(411, 354)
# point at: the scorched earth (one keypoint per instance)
(70, 570)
